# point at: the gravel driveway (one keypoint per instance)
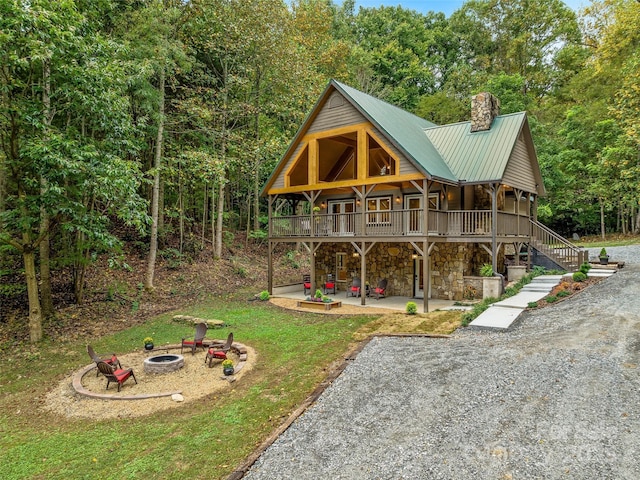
(554, 397)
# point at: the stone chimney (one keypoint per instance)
(484, 108)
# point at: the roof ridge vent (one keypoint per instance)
(484, 108)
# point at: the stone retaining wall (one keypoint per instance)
(450, 263)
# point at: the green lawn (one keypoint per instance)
(203, 439)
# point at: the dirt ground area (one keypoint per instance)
(195, 380)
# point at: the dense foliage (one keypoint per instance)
(163, 118)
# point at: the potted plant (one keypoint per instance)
(227, 367)
(604, 257)
(148, 343)
(318, 296)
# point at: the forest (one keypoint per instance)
(157, 122)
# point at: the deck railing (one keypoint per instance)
(471, 223)
(560, 250)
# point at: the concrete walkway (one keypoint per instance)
(501, 315)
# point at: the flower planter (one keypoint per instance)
(319, 305)
(604, 260)
(516, 272)
(148, 346)
(491, 287)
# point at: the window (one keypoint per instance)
(378, 210)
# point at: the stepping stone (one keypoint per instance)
(496, 317)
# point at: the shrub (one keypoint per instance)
(486, 270)
(318, 294)
(585, 267)
(412, 308)
(579, 277)
(603, 252)
(551, 298)
(563, 293)
(264, 296)
(532, 305)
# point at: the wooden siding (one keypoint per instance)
(405, 166)
(519, 171)
(278, 182)
(335, 117)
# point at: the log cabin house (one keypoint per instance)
(376, 192)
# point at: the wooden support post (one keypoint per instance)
(426, 264)
(270, 254)
(313, 268)
(363, 271)
(494, 226)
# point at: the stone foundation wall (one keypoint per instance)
(450, 264)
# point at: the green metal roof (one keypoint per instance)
(478, 156)
(403, 128)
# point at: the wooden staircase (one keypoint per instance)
(557, 248)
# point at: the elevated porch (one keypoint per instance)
(455, 225)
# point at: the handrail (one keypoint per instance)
(556, 247)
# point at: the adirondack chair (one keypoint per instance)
(108, 359)
(355, 289)
(306, 284)
(201, 331)
(381, 289)
(117, 375)
(330, 284)
(219, 352)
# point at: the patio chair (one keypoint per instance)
(219, 352)
(201, 331)
(330, 284)
(306, 283)
(355, 289)
(108, 359)
(381, 289)
(117, 375)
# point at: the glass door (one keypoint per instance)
(343, 219)
(413, 220)
(418, 279)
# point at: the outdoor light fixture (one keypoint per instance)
(414, 256)
(356, 255)
(397, 198)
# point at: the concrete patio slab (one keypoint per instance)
(522, 299)
(496, 317)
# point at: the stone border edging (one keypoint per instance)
(76, 381)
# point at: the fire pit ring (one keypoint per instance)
(166, 363)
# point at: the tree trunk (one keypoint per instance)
(153, 246)
(45, 270)
(602, 231)
(35, 313)
(218, 245)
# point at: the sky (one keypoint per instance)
(445, 6)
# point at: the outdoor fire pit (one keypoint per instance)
(163, 363)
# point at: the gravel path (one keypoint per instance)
(554, 397)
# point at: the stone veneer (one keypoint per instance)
(484, 108)
(450, 264)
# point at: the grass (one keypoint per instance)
(618, 240)
(207, 438)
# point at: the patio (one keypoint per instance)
(391, 302)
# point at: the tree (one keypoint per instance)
(56, 132)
